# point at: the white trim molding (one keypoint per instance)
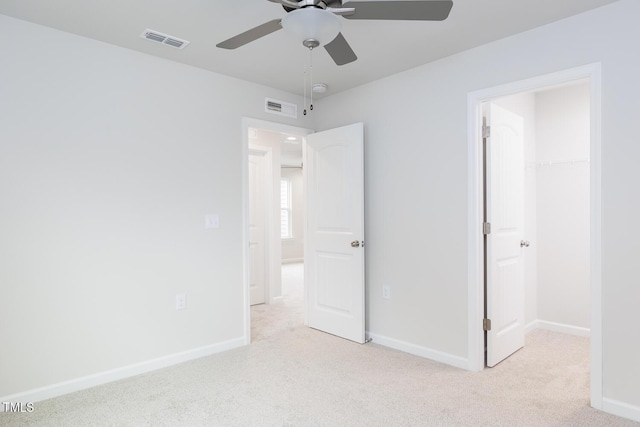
(416, 350)
(557, 327)
(100, 378)
(475, 267)
(621, 409)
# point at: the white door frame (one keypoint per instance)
(475, 201)
(273, 263)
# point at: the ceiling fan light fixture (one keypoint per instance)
(312, 23)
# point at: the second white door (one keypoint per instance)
(334, 238)
(505, 212)
(258, 265)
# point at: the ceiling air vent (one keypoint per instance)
(159, 37)
(281, 108)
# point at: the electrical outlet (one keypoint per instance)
(181, 301)
(386, 292)
(211, 221)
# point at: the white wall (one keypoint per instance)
(293, 248)
(109, 161)
(104, 190)
(562, 119)
(416, 139)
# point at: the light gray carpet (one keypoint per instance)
(295, 376)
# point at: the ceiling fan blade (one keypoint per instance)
(420, 10)
(251, 35)
(340, 51)
(293, 4)
(341, 10)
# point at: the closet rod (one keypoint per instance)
(561, 162)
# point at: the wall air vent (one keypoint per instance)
(156, 36)
(281, 108)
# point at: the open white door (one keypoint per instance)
(505, 212)
(334, 239)
(258, 159)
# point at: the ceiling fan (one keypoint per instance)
(316, 22)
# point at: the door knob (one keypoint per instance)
(355, 244)
(524, 243)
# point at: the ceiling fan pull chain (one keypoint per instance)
(311, 78)
(304, 87)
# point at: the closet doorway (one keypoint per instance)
(476, 320)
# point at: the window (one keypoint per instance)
(285, 209)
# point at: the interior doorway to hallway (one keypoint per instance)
(333, 239)
(274, 210)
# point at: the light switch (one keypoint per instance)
(211, 221)
(181, 301)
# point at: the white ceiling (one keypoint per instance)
(383, 47)
(290, 151)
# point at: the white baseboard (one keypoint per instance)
(621, 409)
(427, 353)
(292, 260)
(557, 327)
(93, 380)
(530, 326)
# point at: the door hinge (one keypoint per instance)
(486, 324)
(486, 131)
(486, 228)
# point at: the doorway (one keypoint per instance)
(334, 287)
(540, 278)
(263, 192)
(591, 74)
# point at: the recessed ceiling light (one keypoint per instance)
(291, 140)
